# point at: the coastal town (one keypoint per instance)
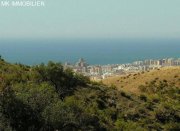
(99, 72)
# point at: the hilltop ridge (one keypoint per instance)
(131, 82)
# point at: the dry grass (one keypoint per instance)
(133, 81)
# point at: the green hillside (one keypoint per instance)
(49, 97)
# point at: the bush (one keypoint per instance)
(125, 95)
(121, 125)
(143, 97)
(142, 88)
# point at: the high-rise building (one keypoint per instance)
(81, 63)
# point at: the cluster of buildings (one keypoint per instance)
(98, 72)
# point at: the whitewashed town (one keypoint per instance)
(98, 72)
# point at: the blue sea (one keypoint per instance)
(101, 51)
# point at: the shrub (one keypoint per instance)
(176, 76)
(122, 125)
(143, 97)
(125, 95)
(142, 88)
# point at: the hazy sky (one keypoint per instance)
(93, 19)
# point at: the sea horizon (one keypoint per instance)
(94, 51)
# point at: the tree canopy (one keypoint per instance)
(50, 97)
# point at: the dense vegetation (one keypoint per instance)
(49, 97)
